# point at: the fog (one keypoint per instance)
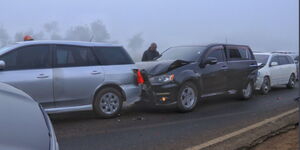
(266, 25)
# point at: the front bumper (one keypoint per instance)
(164, 94)
(258, 83)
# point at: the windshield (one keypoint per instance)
(186, 53)
(261, 58)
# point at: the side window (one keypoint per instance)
(217, 53)
(283, 60)
(275, 59)
(113, 55)
(291, 61)
(72, 56)
(29, 57)
(241, 53)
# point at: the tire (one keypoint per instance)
(108, 102)
(247, 92)
(187, 97)
(266, 86)
(292, 81)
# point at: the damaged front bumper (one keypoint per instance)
(164, 94)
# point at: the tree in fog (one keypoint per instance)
(79, 33)
(4, 37)
(52, 28)
(136, 42)
(99, 31)
(135, 45)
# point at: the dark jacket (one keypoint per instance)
(149, 55)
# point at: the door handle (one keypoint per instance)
(95, 72)
(42, 76)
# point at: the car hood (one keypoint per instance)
(22, 124)
(159, 67)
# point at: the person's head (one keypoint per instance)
(153, 47)
(28, 38)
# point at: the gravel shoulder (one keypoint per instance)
(284, 141)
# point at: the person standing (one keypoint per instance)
(151, 53)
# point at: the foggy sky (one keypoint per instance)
(262, 24)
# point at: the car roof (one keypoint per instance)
(75, 43)
(210, 45)
(262, 53)
(271, 54)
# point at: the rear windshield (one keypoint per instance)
(113, 56)
(186, 53)
(263, 59)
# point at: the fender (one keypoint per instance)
(189, 75)
(251, 77)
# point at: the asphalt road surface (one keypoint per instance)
(139, 127)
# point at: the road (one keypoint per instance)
(139, 127)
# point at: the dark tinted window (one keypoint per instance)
(275, 59)
(238, 53)
(261, 58)
(217, 53)
(68, 56)
(112, 56)
(283, 60)
(291, 61)
(30, 57)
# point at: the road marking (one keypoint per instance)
(238, 132)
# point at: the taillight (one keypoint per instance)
(139, 77)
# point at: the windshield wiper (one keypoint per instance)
(157, 57)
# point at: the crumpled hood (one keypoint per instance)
(160, 67)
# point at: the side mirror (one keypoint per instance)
(274, 63)
(211, 60)
(2, 64)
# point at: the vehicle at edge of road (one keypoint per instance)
(295, 57)
(68, 76)
(182, 75)
(24, 124)
(275, 69)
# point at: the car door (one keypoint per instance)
(29, 69)
(275, 70)
(241, 66)
(215, 76)
(285, 70)
(77, 74)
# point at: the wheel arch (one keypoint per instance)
(110, 85)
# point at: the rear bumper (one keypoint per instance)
(132, 92)
(161, 94)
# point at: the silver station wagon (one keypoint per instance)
(71, 76)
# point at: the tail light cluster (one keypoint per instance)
(139, 77)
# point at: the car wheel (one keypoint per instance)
(108, 102)
(247, 92)
(266, 86)
(187, 97)
(292, 81)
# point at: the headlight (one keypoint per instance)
(162, 78)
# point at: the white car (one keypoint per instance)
(276, 69)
